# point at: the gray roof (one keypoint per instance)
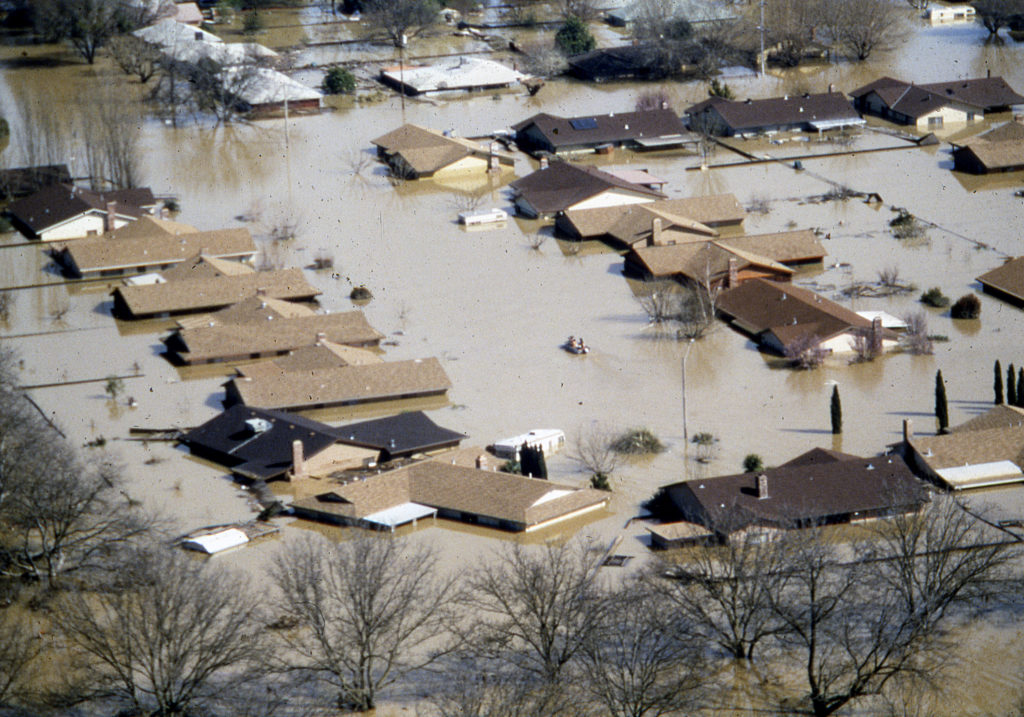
(593, 130)
(791, 110)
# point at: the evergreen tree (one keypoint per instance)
(1020, 387)
(574, 37)
(837, 412)
(997, 383)
(531, 462)
(1011, 386)
(941, 407)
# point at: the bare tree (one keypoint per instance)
(135, 56)
(367, 612)
(805, 351)
(401, 19)
(592, 450)
(861, 26)
(109, 131)
(167, 636)
(18, 650)
(537, 607)
(86, 24)
(915, 338)
(641, 660)
(727, 592)
(585, 10)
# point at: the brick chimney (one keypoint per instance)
(481, 462)
(110, 218)
(656, 232)
(321, 336)
(734, 274)
(762, 486)
(298, 461)
(875, 337)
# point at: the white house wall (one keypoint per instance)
(465, 165)
(78, 227)
(950, 115)
(612, 198)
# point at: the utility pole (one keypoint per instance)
(686, 434)
(762, 29)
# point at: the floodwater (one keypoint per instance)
(494, 309)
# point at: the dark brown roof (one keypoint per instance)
(562, 185)
(814, 488)
(58, 203)
(592, 130)
(23, 181)
(985, 93)
(1008, 278)
(786, 310)
(750, 115)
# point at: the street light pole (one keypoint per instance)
(686, 434)
(761, 28)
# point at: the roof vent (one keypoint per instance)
(870, 467)
(258, 425)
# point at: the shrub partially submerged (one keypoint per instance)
(966, 307)
(637, 441)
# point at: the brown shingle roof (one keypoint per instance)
(1008, 278)
(326, 354)
(154, 250)
(823, 487)
(427, 150)
(985, 93)
(205, 266)
(972, 447)
(191, 295)
(624, 223)
(268, 386)
(239, 340)
(147, 226)
(563, 185)
(699, 261)
(525, 502)
(255, 309)
(1001, 416)
(786, 310)
(993, 156)
(751, 115)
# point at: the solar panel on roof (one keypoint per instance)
(583, 123)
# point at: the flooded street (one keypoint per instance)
(494, 310)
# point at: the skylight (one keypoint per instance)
(583, 123)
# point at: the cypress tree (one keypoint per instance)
(1020, 387)
(997, 383)
(837, 412)
(532, 463)
(1011, 386)
(941, 407)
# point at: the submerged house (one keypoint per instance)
(998, 150)
(414, 152)
(64, 211)
(727, 262)
(276, 335)
(936, 104)
(562, 187)
(260, 444)
(270, 384)
(629, 225)
(781, 317)
(1006, 282)
(648, 129)
(19, 182)
(152, 245)
(199, 291)
(469, 74)
(789, 113)
(446, 489)
(986, 451)
(820, 487)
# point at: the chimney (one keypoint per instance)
(656, 232)
(543, 162)
(875, 337)
(908, 430)
(321, 336)
(261, 291)
(199, 36)
(762, 486)
(734, 279)
(110, 218)
(481, 462)
(831, 88)
(298, 462)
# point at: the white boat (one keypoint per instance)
(490, 216)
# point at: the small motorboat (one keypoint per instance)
(575, 346)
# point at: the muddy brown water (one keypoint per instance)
(495, 310)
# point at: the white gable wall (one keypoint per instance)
(613, 198)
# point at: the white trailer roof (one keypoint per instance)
(400, 514)
(981, 474)
(217, 542)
